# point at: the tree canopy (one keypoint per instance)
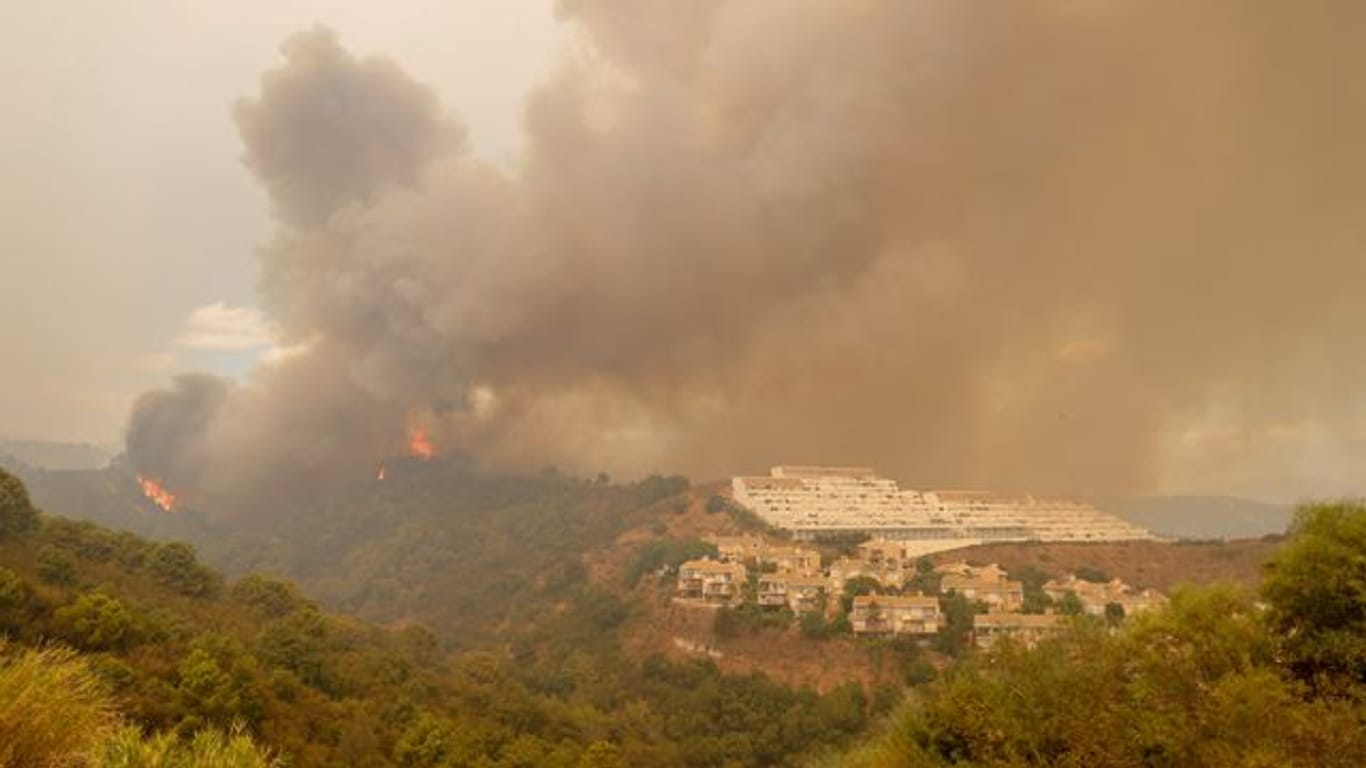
(1316, 589)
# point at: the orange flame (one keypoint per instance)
(157, 493)
(380, 475)
(420, 444)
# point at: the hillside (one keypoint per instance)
(182, 648)
(49, 454)
(1201, 517)
(1159, 565)
(486, 558)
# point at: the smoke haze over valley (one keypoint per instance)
(1079, 247)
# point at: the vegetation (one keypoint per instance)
(1212, 680)
(1316, 589)
(742, 516)
(250, 669)
(1032, 578)
(505, 652)
(666, 554)
(55, 711)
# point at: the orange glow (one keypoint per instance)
(419, 444)
(380, 475)
(157, 493)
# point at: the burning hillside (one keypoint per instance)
(157, 494)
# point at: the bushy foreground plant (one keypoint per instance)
(56, 713)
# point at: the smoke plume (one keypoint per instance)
(991, 244)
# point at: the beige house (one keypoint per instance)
(791, 559)
(883, 615)
(1095, 597)
(711, 581)
(738, 549)
(890, 554)
(799, 592)
(999, 593)
(1024, 627)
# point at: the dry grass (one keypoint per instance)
(54, 712)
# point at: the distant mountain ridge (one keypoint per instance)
(50, 454)
(1202, 517)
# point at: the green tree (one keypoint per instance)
(958, 612)
(56, 566)
(207, 693)
(602, 754)
(814, 626)
(435, 741)
(1316, 589)
(13, 600)
(666, 553)
(925, 580)
(918, 670)
(17, 513)
(270, 596)
(656, 487)
(176, 567)
(297, 643)
(1071, 605)
(1114, 614)
(97, 622)
(727, 623)
(857, 587)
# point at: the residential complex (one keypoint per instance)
(821, 501)
(784, 575)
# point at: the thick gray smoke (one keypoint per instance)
(993, 244)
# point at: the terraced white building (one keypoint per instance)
(815, 501)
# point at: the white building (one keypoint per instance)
(816, 501)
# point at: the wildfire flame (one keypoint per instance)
(420, 444)
(157, 493)
(380, 475)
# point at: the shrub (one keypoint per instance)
(56, 567)
(13, 599)
(176, 567)
(656, 487)
(97, 622)
(53, 709)
(208, 748)
(666, 553)
(270, 596)
(814, 626)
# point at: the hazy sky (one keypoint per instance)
(1185, 225)
(126, 252)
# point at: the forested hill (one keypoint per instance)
(467, 551)
(178, 648)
